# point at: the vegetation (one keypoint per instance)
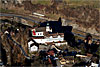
(41, 2)
(71, 3)
(53, 16)
(6, 10)
(98, 52)
(82, 2)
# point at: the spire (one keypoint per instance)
(59, 19)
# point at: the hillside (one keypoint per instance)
(84, 13)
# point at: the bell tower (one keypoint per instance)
(48, 29)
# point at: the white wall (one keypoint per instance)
(34, 48)
(40, 40)
(48, 29)
(59, 44)
(50, 39)
(39, 34)
(29, 43)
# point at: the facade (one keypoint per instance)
(37, 34)
(34, 48)
(31, 46)
(49, 39)
(45, 35)
(60, 43)
(48, 29)
(94, 65)
(29, 43)
(6, 32)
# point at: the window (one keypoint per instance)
(38, 33)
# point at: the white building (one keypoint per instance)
(6, 32)
(49, 39)
(29, 43)
(39, 32)
(33, 47)
(62, 43)
(93, 65)
(44, 37)
(34, 33)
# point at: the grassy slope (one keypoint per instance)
(70, 2)
(6, 11)
(95, 3)
(42, 2)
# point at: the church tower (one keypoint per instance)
(48, 29)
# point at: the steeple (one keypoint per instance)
(59, 19)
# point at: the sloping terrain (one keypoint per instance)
(16, 55)
(85, 13)
(86, 16)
